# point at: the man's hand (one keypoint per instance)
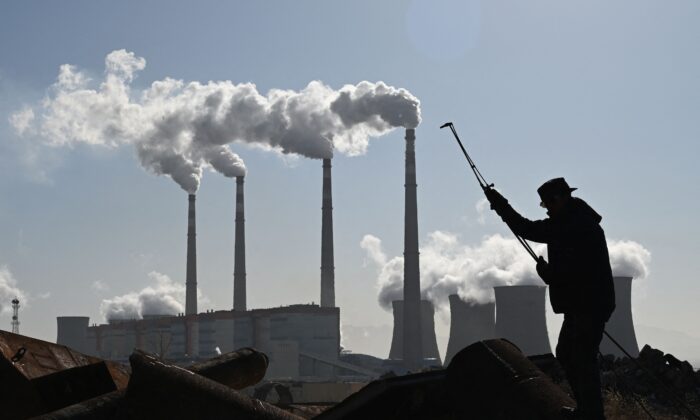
(543, 269)
(498, 202)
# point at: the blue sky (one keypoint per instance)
(606, 94)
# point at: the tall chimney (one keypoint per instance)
(470, 322)
(191, 324)
(520, 318)
(239, 286)
(191, 279)
(412, 343)
(620, 325)
(327, 263)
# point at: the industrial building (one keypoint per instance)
(303, 340)
(300, 340)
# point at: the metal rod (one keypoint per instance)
(485, 185)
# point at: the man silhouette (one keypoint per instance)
(579, 278)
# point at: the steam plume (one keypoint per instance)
(449, 266)
(628, 258)
(9, 290)
(164, 297)
(180, 128)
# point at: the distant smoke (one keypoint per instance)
(164, 297)
(9, 291)
(628, 258)
(179, 128)
(482, 209)
(449, 267)
(373, 247)
(378, 106)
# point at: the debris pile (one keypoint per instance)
(55, 382)
(38, 376)
(489, 379)
(658, 379)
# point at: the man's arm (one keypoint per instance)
(532, 230)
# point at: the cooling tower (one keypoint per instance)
(620, 325)
(428, 339)
(470, 322)
(412, 343)
(72, 332)
(327, 263)
(239, 279)
(520, 317)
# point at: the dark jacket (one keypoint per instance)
(579, 274)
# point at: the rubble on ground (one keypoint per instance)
(679, 381)
(488, 379)
(55, 382)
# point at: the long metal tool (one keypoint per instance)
(485, 185)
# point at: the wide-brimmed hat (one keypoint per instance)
(555, 186)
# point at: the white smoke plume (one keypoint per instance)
(629, 258)
(164, 297)
(451, 267)
(179, 128)
(9, 290)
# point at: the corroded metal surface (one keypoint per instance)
(488, 380)
(38, 376)
(237, 369)
(102, 407)
(501, 383)
(41, 358)
(159, 390)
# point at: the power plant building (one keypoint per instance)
(300, 340)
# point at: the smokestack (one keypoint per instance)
(520, 318)
(239, 279)
(191, 279)
(620, 325)
(412, 343)
(327, 263)
(470, 322)
(428, 339)
(191, 325)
